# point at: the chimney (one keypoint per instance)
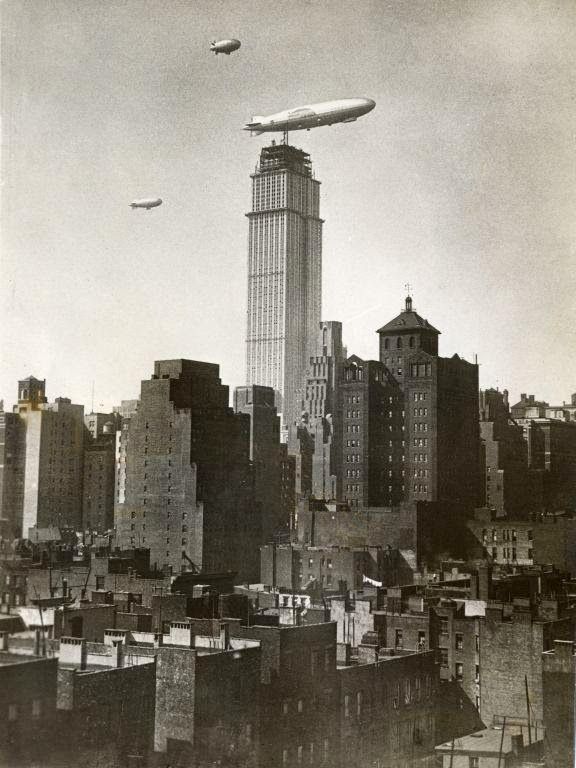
(73, 651)
(38, 642)
(344, 653)
(4, 641)
(225, 636)
(64, 587)
(119, 653)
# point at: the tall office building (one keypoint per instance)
(284, 274)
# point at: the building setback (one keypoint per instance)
(284, 273)
(189, 484)
(441, 411)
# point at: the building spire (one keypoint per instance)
(408, 298)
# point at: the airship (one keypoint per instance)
(312, 116)
(224, 46)
(147, 203)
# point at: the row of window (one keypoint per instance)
(16, 710)
(388, 343)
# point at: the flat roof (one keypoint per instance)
(485, 742)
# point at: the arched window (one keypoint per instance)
(399, 342)
(411, 342)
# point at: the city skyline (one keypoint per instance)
(459, 182)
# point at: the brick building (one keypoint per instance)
(299, 694)
(558, 684)
(387, 708)
(373, 436)
(292, 567)
(504, 457)
(547, 539)
(99, 478)
(28, 691)
(208, 706)
(42, 472)
(441, 411)
(189, 493)
(12, 453)
(512, 641)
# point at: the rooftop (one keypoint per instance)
(408, 320)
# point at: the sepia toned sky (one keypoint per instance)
(461, 182)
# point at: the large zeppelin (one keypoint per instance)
(312, 116)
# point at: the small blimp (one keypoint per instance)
(224, 46)
(312, 116)
(147, 203)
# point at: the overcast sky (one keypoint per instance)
(461, 182)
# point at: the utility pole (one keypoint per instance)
(528, 709)
(501, 742)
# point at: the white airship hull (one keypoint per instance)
(312, 116)
(146, 204)
(225, 46)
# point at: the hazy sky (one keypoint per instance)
(462, 181)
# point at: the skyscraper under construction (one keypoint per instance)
(284, 274)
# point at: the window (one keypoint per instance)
(473, 762)
(300, 751)
(421, 640)
(285, 707)
(443, 657)
(346, 706)
(359, 703)
(284, 757)
(399, 641)
(477, 674)
(443, 625)
(459, 641)
(36, 707)
(459, 671)
(300, 705)
(12, 712)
